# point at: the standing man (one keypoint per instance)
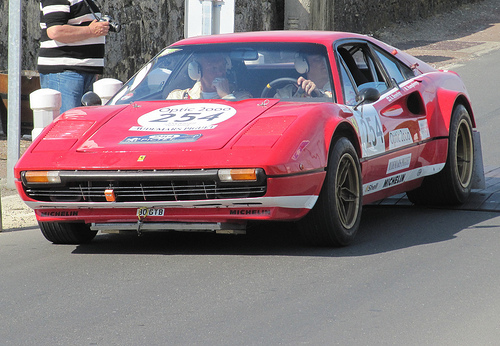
(71, 48)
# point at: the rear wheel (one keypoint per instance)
(452, 185)
(67, 233)
(334, 220)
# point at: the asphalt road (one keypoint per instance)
(413, 277)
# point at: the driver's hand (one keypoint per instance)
(307, 85)
(222, 86)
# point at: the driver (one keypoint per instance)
(209, 70)
(316, 79)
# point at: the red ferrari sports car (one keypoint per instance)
(217, 132)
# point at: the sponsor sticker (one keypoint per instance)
(424, 129)
(59, 213)
(371, 187)
(162, 138)
(394, 96)
(395, 180)
(300, 149)
(186, 117)
(250, 212)
(398, 163)
(399, 138)
(410, 86)
(127, 96)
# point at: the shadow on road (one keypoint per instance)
(383, 229)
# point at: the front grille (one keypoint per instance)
(153, 186)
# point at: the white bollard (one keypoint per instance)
(106, 88)
(46, 104)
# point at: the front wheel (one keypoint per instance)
(452, 185)
(67, 232)
(334, 220)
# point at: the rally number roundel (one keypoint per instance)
(195, 116)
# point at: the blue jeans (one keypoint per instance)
(72, 85)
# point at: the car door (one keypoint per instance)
(390, 128)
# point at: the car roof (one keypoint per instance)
(311, 36)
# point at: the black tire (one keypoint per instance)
(335, 218)
(67, 233)
(452, 185)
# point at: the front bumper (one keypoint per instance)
(286, 198)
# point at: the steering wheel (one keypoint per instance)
(271, 88)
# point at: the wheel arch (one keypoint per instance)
(462, 100)
(345, 129)
(448, 100)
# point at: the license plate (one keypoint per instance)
(143, 212)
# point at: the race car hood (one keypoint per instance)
(174, 125)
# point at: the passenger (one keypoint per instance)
(210, 73)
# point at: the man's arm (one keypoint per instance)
(69, 33)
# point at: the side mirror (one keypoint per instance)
(367, 95)
(90, 98)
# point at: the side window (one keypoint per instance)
(347, 87)
(395, 69)
(361, 66)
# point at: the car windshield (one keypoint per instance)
(230, 71)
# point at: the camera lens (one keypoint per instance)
(116, 27)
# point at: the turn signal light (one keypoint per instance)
(42, 177)
(238, 174)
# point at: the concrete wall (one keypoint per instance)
(149, 25)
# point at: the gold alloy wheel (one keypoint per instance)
(347, 191)
(465, 153)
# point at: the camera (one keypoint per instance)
(114, 26)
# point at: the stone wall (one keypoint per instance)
(30, 33)
(149, 25)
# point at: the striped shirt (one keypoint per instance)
(83, 56)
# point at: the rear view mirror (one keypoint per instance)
(367, 95)
(244, 54)
(90, 98)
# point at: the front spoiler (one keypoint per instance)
(139, 227)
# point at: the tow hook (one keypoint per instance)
(139, 225)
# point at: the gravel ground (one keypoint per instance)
(445, 40)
